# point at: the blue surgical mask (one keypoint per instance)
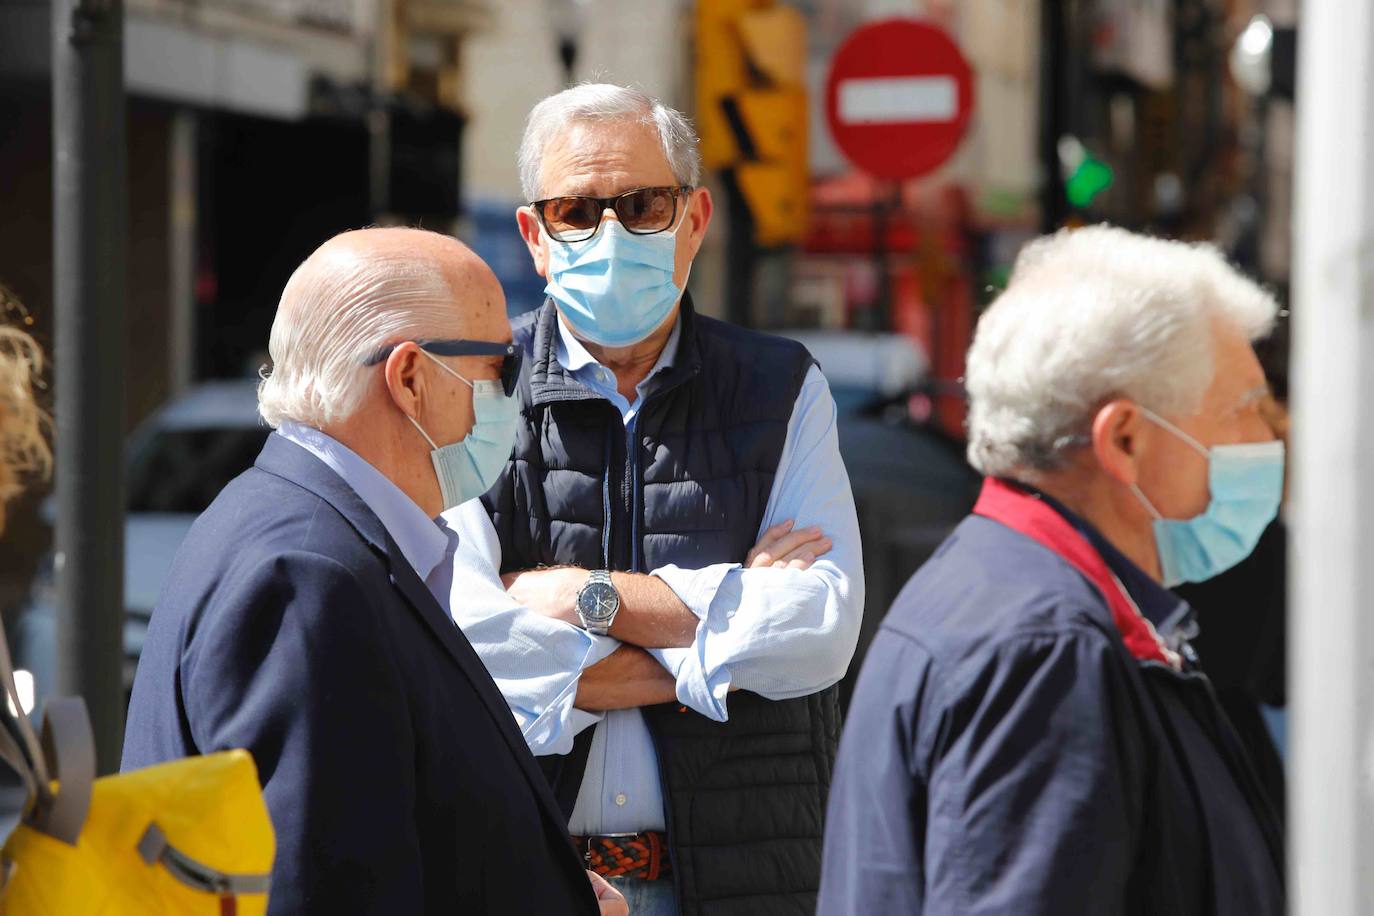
(616, 288)
(1246, 482)
(467, 468)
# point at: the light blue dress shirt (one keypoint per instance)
(781, 633)
(422, 542)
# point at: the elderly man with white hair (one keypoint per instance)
(677, 530)
(1031, 731)
(298, 620)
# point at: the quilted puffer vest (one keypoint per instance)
(744, 798)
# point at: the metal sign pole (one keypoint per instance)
(1332, 543)
(89, 213)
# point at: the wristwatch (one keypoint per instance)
(597, 603)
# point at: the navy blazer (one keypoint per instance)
(397, 780)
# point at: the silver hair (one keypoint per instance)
(603, 102)
(1090, 315)
(340, 306)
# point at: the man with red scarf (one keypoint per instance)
(1032, 732)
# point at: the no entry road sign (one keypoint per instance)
(898, 98)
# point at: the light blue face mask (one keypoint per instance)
(1246, 482)
(616, 288)
(467, 468)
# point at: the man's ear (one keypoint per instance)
(699, 210)
(405, 383)
(528, 222)
(1117, 433)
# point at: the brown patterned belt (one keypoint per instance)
(626, 855)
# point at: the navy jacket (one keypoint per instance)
(396, 778)
(1005, 753)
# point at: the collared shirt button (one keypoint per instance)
(620, 799)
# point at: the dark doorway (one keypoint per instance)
(270, 193)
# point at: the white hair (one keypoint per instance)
(600, 103)
(1091, 315)
(339, 307)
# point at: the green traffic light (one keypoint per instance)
(1091, 178)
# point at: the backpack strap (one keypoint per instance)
(66, 754)
(69, 747)
(154, 848)
(30, 765)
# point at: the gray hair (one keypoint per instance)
(603, 102)
(1091, 315)
(341, 305)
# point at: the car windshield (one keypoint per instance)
(183, 469)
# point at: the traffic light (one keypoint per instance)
(1085, 176)
(1089, 179)
(752, 109)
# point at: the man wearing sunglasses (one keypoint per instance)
(676, 531)
(300, 618)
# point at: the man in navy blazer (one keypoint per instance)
(298, 620)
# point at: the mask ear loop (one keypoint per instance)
(416, 423)
(682, 219)
(1149, 506)
(453, 372)
(1160, 421)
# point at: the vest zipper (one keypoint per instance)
(606, 497)
(632, 492)
(619, 491)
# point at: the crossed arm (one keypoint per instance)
(781, 622)
(651, 616)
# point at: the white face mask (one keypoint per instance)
(468, 468)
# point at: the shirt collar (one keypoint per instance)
(421, 541)
(573, 355)
(1171, 616)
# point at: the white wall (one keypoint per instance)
(515, 64)
(506, 70)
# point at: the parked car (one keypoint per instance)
(177, 462)
(911, 482)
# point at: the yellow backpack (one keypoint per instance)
(190, 836)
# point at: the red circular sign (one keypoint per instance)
(898, 98)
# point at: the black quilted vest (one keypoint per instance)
(744, 798)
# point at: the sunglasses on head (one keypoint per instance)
(510, 365)
(642, 211)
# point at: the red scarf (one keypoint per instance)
(1025, 514)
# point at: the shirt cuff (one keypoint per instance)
(695, 588)
(705, 693)
(552, 731)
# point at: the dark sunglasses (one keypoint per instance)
(510, 366)
(642, 211)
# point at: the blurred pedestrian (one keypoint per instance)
(296, 623)
(1030, 732)
(24, 427)
(675, 524)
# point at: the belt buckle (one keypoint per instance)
(587, 844)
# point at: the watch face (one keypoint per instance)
(598, 601)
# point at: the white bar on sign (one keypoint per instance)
(898, 99)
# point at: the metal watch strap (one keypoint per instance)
(597, 577)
